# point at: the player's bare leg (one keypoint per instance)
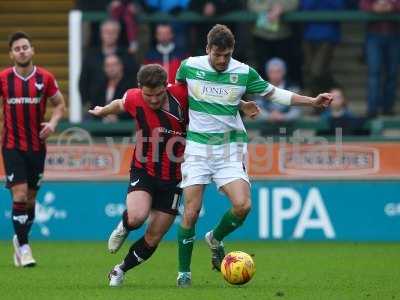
(22, 217)
(238, 192)
(186, 232)
(144, 248)
(138, 205)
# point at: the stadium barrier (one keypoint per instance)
(320, 191)
(266, 160)
(282, 210)
(248, 16)
(376, 127)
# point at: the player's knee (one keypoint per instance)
(135, 221)
(242, 209)
(190, 216)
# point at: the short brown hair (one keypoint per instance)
(152, 75)
(221, 37)
(17, 36)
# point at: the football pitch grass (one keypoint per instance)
(285, 270)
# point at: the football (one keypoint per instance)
(237, 267)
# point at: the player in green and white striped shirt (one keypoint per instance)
(217, 141)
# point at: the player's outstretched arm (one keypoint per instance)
(58, 112)
(115, 107)
(321, 101)
(249, 108)
(289, 98)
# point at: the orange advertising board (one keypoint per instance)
(344, 161)
(285, 161)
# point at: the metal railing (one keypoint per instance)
(247, 16)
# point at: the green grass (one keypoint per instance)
(285, 270)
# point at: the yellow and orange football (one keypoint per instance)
(237, 267)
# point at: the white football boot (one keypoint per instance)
(26, 257)
(116, 277)
(117, 238)
(184, 279)
(16, 255)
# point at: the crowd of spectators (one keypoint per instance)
(289, 56)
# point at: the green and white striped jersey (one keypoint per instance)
(214, 120)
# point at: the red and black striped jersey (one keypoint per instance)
(24, 106)
(160, 134)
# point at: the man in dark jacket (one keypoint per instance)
(165, 52)
(92, 67)
(112, 86)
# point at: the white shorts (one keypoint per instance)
(201, 170)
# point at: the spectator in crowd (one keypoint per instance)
(171, 7)
(272, 37)
(211, 9)
(92, 68)
(125, 11)
(165, 52)
(339, 107)
(338, 115)
(383, 55)
(273, 112)
(90, 30)
(113, 86)
(320, 40)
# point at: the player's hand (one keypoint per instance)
(97, 111)
(323, 100)
(48, 128)
(250, 109)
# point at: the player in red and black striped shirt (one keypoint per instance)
(25, 89)
(161, 114)
(160, 132)
(161, 118)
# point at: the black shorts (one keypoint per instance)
(23, 167)
(166, 195)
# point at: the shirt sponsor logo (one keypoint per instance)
(24, 100)
(202, 90)
(169, 131)
(215, 91)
